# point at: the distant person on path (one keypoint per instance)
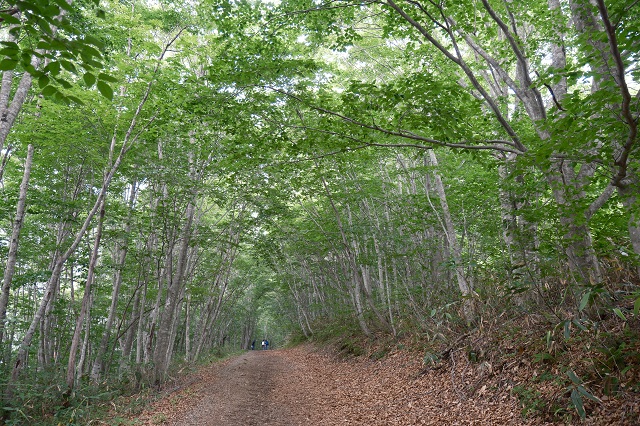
(264, 345)
(266, 342)
(253, 345)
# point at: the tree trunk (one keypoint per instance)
(12, 256)
(211, 314)
(86, 299)
(581, 255)
(187, 328)
(165, 324)
(9, 109)
(140, 335)
(98, 364)
(21, 356)
(86, 343)
(350, 266)
(629, 197)
(519, 235)
(449, 229)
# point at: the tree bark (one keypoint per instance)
(165, 324)
(214, 305)
(98, 364)
(450, 231)
(86, 299)
(351, 266)
(12, 256)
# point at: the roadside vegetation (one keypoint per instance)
(459, 178)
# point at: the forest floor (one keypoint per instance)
(304, 385)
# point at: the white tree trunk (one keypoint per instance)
(449, 228)
(12, 256)
(165, 323)
(98, 364)
(86, 300)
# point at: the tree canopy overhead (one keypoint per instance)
(179, 178)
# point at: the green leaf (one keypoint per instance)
(75, 99)
(574, 378)
(587, 394)
(68, 66)
(64, 5)
(60, 97)
(107, 77)
(89, 79)
(11, 44)
(10, 51)
(53, 68)
(9, 19)
(619, 313)
(64, 83)
(95, 41)
(567, 330)
(577, 403)
(636, 307)
(30, 69)
(43, 81)
(43, 45)
(105, 89)
(51, 11)
(548, 337)
(584, 301)
(8, 64)
(91, 51)
(87, 61)
(579, 324)
(49, 91)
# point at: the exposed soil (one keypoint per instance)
(302, 386)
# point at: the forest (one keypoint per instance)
(181, 178)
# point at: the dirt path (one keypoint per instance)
(241, 394)
(301, 386)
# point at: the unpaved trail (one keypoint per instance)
(302, 386)
(241, 394)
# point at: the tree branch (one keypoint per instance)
(496, 145)
(623, 157)
(599, 202)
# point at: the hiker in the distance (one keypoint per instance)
(266, 342)
(253, 345)
(264, 345)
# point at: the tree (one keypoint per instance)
(504, 83)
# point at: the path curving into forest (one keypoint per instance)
(301, 386)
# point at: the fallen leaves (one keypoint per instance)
(305, 385)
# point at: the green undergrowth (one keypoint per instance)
(344, 337)
(42, 399)
(572, 373)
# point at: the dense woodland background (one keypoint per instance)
(181, 178)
